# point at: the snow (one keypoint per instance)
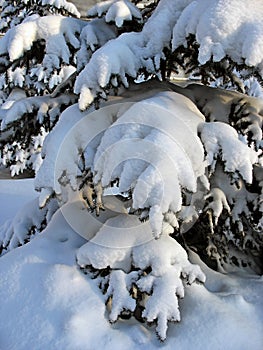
(118, 244)
(48, 303)
(223, 28)
(117, 58)
(59, 34)
(52, 299)
(127, 54)
(218, 137)
(43, 104)
(149, 133)
(15, 13)
(91, 37)
(63, 4)
(117, 11)
(13, 196)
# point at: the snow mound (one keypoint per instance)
(45, 293)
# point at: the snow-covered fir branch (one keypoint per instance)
(15, 12)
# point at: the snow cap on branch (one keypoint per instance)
(125, 56)
(62, 4)
(116, 11)
(219, 137)
(223, 28)
(57, 31)
(14, 13)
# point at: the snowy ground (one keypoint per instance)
(48, 303)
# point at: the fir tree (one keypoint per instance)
(186, 163)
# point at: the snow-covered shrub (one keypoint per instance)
(142, 148)
(164, 181)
